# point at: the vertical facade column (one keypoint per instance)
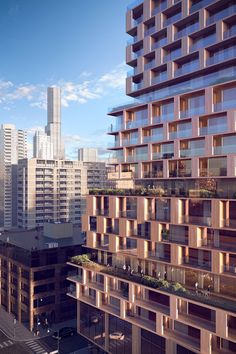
(106, 331)
(136, 340)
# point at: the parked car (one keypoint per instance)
(94, 319)
(117, 336)
(64, 332)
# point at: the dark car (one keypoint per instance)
(64, 332)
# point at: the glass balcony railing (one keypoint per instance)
(158, 44)
(230, 32)
(187, 172)
(203, 264)
(196, 111)
(137, 86)
(158, 256)
(180, 134)
(222, 56)
(172, 55)
(162, 6)
(203, 42)
(132, 72)
(162, 155)
(137, 54)
(137, 157)
(132, 141)
(153, 174)
(221, 106)
(152, 138)
(196, 220)
(209, 172)
(199, 5)
(229, 269)
(150, 65)
(159, 78)
(228, 11)
(226, 149)
(132, 214)
(192, 152)
(186, 69)
(187, 30)
(136, 123)
(137, 21)
(172, 19)
(132, 40)
(156, 119)
(149, 31)
(213, 129)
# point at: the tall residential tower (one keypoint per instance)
(13, 146)
(163, 276)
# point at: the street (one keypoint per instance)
(41, 346)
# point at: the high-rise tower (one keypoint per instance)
(49, 145)
(13, 146)
(163, 276)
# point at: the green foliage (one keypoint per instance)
(81, 259)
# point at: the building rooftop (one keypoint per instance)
(36, 240)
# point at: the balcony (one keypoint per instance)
(230, 32)
(222, 106)
(187, 69)
(158, 256)
(194, 263)
(132, 72)
(209, 172)
(136, 123)
(159, 43)
(225, 149)
(127, 142)
(199, 5)
(137, 157)
(196, 111)
(180, 134)
(137, 86)
(161, 7)
(152, 138)
(149, 31)
(129, 214)
(150, 65)
(187, 172)
(142, 320)
(203, 42)
(196, 220)
(172, 55)
(137, 21)
(229, 269)
(152, 305)
(132, 40)
(187, 30)
(192, 152)
(228, 11)
(159, 78)
(214, 129)
(222, 55)
(172, 19)
(162, 155)
(153, 174)
(137, 54)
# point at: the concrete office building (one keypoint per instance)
(165, 282)
(33, 283)
(50, 190)
(88, 154)
(49, 144)
(13, 146)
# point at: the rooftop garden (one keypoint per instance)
(161, 284)
(160, 192)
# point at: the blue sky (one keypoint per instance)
(76, 44)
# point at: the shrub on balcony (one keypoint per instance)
(81, 259)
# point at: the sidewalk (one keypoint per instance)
(19, 332)
(16, 332)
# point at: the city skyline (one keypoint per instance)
(50, 54)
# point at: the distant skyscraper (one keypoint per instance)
(88, 155)
(13, 146)
(49, 145)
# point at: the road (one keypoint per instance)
(41, 346)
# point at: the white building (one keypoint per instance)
(13, 146)
(88, 154)
(49, 144)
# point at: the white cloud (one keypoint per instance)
(85, 89)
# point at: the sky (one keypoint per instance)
(78, 45)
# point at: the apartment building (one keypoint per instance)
(13, 146)
(50, 190)
(33, 283)
(161, 274)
